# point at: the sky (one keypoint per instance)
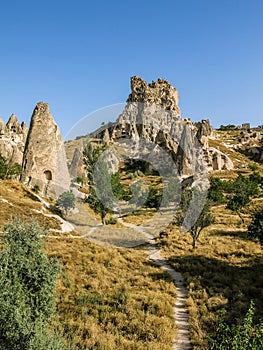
(79, 56)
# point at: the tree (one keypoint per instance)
(100, 198)
(27, 284)
(243, 188)
(255, 229)
(67, 201)
(237, 203)
(192, 199)
(8, 170)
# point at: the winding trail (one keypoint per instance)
(181, 341)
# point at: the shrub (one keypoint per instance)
(27, 284)
(245, 336)
(255, 229)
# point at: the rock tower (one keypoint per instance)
(12, 139)
(44, 161)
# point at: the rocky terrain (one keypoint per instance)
(150, 126)
(113, 296)
(151, 122)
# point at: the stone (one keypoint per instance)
(152, 114)
(204, 132)
(12, 139)
(76, 168)
(219, 160)
(44, 161)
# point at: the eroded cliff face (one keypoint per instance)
(12, 139)
(44, 161)
(152, 114)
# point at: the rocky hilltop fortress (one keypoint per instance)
(151, 115)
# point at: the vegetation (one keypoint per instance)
(109, 298)
(66, 201)
(227, 127)
(9, 170)
(27, 283)
(100, 199)
(205, 218)
(225, 272)
(255, 229)
(245, 336)
(36, 188)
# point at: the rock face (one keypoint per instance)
(152, 114)
(204, 131)
(76, 168)
(12, 139)
(218, 160)
(44, 161)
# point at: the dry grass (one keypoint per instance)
(18, 200)
(225, 271)
(112, 298)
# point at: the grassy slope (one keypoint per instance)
(106, 298)
(17, 200)
(113, 298)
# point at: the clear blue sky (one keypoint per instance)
(79, 56)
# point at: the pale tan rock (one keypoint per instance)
(44, 162)
(12, 139)
(219, 160)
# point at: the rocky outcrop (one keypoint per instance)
(152, 114)
(12, 139)
(44, 161)
(158, 93)
(204, 132)
(218, 160)
(77, 168)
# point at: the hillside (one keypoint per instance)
(126, 263)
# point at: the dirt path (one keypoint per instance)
(181, 342)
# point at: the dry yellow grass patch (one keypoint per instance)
(112, 298)
(17, 200)
(225, 271)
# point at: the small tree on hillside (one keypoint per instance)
(67, 201)
(100, 197)
(237, 203)
(205, 218)
(255, 229)
(27, 284)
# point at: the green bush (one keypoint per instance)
(255, 229)
(245, 336)
(111, 221)
(27, 284)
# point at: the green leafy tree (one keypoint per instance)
(216, 189)
(27, 284)
(66, 200)
(243, 189)
(192, 199)
(255, 229)
(100, 198)
(237, 203)
(246, 336)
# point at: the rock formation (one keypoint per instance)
(76, 168)
(44, 161)
(152, 114)
(12, 139)
(218, 160)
